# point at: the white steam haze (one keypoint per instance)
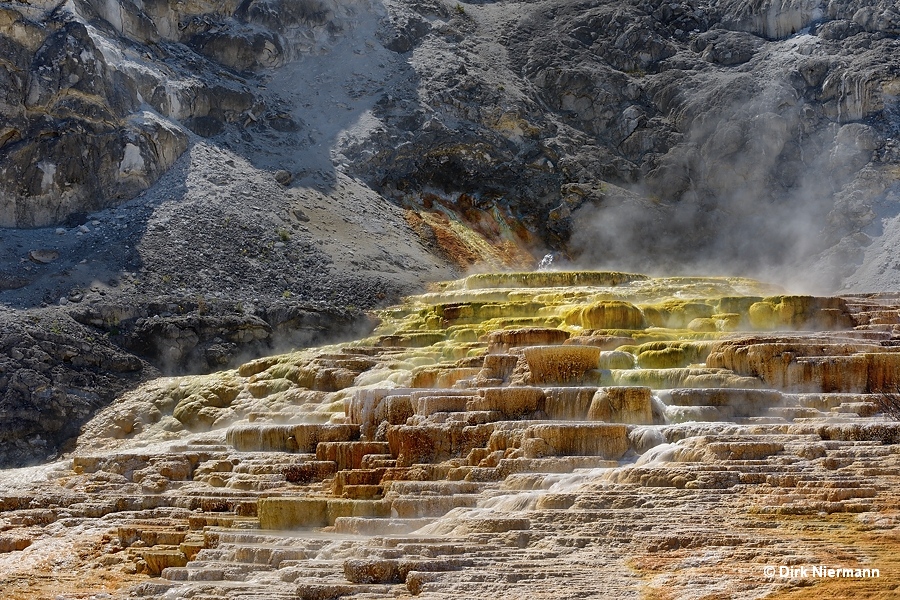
(762, 181)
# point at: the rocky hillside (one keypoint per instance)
(195, 183)
(751, 135)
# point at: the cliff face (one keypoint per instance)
(625, 132)
(101, 97)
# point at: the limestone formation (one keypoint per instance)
(539, 469)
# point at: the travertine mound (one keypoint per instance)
(482, 442)
(344, 151)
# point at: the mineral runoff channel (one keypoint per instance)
(519, 435)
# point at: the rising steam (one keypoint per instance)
(762, 182)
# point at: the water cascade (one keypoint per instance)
(485, 426)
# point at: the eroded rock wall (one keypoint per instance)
(626, 133)
(101, 98)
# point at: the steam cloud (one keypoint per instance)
(761, 183)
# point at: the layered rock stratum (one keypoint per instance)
(186, 187)
(535, 434)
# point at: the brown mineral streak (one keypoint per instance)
(536, 467)
(197, 196)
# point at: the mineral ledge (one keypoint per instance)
(521, 435)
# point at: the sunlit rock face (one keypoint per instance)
(623, 133)
(488, 432)
(100, 98)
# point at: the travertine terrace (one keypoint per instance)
(517, 435)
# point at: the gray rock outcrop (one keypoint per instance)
(745, 126)
(762, 130)
(100, 97)
(54, 375)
